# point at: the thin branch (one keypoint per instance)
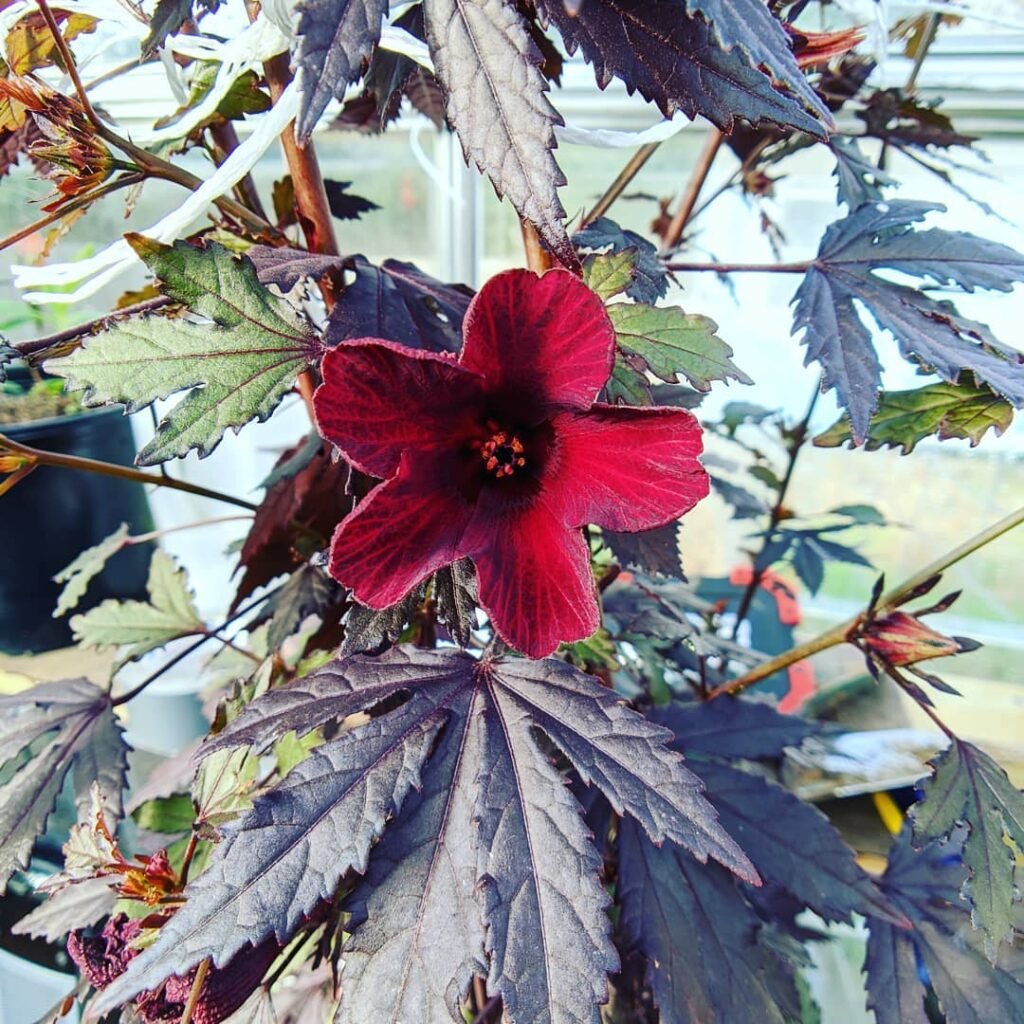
(895, 596)
(479, 996)
(674, 232)
(197, 987)
(758, 573)
(618, 186)
(830, 638)
(838, 634)
(10, 482)
(148, 163)
(310, 200)
(124, 698)
(77, 203)
(114, 72)
(46, 458)
(145, 538)
(255, 658)
(926, 708)
(190, 852)
(927, 38)
(225, 138)
(69, 63)
(799, 267)
(538, 259)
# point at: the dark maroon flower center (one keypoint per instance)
(503, 453)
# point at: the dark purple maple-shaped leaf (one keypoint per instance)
(733, 728)
(703, 941)
(72, 727)
(395, 300)
(398, 301)
(654, 551)
(332, 38)
(346, 205)
(858, 179)
(793, 845)
(168, 17)
(669, 53)
(287, 267)
(497, 104)
(929, 332)
(942, 945)
(503, 840)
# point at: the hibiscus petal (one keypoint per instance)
(533, 575)
(541, 342)
(402, 531)
(624, 468)
(379, 399)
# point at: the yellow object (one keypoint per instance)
(888, 811)
(13, 682)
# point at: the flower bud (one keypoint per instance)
(899, 638)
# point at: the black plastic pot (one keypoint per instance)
(54, 514)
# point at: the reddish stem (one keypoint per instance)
(674, 232)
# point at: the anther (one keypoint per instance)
(503, 453)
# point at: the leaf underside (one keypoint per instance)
(671, 343)
(484, 832)
(143, 626)
(945, 411)
(235, 370)
(969, 787)
(497, 104)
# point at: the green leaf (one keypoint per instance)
(610, 274)
(142, 626)
(946, 410)
(235, 370)
(864, 515)
(670, 342)
(968, 786)
(223, 788)
(626, 385)
(88, 564)
(167, 814)
(595, 653)
(290, 750)
(766, 476)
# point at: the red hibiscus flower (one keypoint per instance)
(502, 455)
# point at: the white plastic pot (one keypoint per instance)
(27, 990)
